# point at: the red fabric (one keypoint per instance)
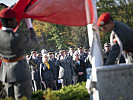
(91, 10)
(103, 19)
(64, 12)
(114, 39)
(20, 7)
(0, 25)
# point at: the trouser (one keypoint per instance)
(36, 85)
(48, 83)
(129, 57)
(66, 81)
(19, 89)
(58, 85)
(75, 79)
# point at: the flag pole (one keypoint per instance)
(95, 48)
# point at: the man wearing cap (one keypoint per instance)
(66, 70)
(71, 52)
(15, 71)
(80, 50)
(106, 50)
(121, 38)
(34, 67)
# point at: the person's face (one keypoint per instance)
(34, 54)
(77, 57)
(86, 51)
(107, 48)
(45, 58)
(63, 53)
(66, 52)
(80, 50)
(51, 56)
(107, 27)
(72, 50)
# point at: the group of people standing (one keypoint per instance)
(56, 70)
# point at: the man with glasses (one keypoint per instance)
(121, 38)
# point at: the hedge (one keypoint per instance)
(72, 92)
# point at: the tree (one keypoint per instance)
(54, 36)
(59, 36)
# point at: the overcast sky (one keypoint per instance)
(8, 2)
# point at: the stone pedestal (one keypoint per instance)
(115, 82)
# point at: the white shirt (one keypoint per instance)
(5, 28)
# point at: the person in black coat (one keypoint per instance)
(121, 38)
(47, 73)
(79, 68)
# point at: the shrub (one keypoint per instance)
(72, 92)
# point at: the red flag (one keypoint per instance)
(64, 12)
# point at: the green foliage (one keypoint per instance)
(72, 92)
(2, 6)
(53, 35)
(59, 36)
(37, 95)
(80, 36)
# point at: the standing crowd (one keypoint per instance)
(55, 70)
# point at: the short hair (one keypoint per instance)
(74, 55)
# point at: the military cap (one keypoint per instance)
(33, 51)
(103, 19)
(106, 44)
(50, 52)
(62, 50)
(86, 48)
(7, 13)
(80, 47)
(71, 47)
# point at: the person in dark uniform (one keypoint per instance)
(52, 60)
(66, 70)
(106, 50)
(85, 54)
(34, 67)
(15, 70)
(71, 52)
(80, 50)
(121, 38)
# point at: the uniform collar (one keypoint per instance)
(5, 29)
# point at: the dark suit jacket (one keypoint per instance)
(80, 68)
(46, 73)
